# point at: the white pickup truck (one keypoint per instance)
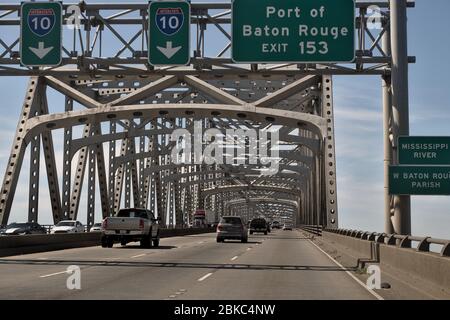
(131, 225)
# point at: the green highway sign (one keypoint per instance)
(41, 34)
(273, 31)
(169, 32)
(419, 180)
(424, 150)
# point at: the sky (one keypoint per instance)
(358, 121)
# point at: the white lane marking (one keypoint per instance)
(234, 258)
(200, 242)
(138, 256)
(376, 295)
(42, 258)
(52, 274)
(205, 277)
(248, 249)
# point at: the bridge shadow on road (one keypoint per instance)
(144, 264)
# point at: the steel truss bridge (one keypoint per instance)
(119, 113)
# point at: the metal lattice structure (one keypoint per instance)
(119, 114)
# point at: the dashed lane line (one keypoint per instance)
(52, 274)
(205, 277)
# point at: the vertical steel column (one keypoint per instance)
(150, 183)
(142, 180)
(50, 165)
(120, 175)
(157, 178)
(112, 171)
(79, 175)
(400, 103)
(101, 173)
(91, 188)
(178, 210)
(329, 155)
(67, 164)
(128, 177)
(33, 198)
(134, 175)
(387, 121)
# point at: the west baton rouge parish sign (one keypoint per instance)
(169, 32)
(274, 31)
(419, 180)
(41, 34)
(424, 150)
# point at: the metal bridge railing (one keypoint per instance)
(317, 230)
(420, 244)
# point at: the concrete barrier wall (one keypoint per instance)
(360, 249)
(24, 244)
(427, 266)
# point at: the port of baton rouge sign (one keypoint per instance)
(266, 31)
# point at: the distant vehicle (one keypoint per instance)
(130, 225)
(287, 227)
(202, 218)
(232, 228)
(96, 227)
(23, 228)
(68, 226)
(258, 225)
(276, 225)
(214, 224)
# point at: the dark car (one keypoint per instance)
(276, 225)
(23, 228)
(258, 225)
(232, 228)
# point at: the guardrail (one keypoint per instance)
(402, 241)
(317, 230)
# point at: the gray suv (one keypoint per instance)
(232, 228)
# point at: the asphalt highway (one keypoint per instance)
(282, 265)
